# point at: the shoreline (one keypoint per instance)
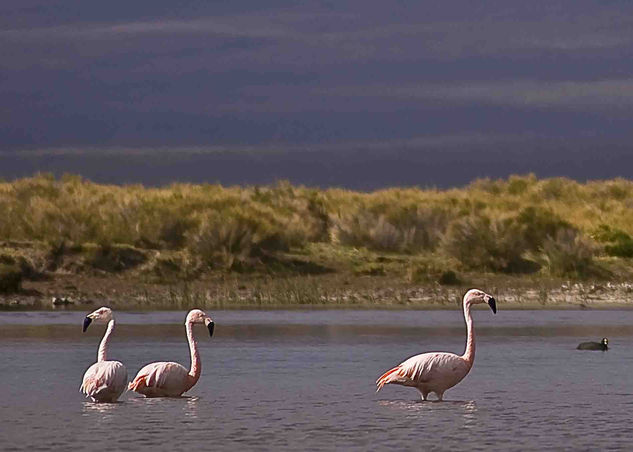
(79, 292)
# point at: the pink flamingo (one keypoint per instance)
(438, 371)
(105, 380)
(167, 379)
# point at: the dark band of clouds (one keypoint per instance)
(425, 85)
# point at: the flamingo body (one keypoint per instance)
(438, 371)
(162, 379)
(428, 372)
(105, 380)
(168, 379)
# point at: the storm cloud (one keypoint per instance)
(361, 94)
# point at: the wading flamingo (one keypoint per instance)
(105, 380)
(438, 371)
(167, 379)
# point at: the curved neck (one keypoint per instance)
(102, 354)
(196, 365)
(469, 353)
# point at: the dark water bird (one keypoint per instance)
(602, 345)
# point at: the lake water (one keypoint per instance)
(305, 380)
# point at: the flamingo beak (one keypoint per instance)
(210, 326)
(493, 304)
(87, 322)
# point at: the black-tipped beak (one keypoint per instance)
(87, 322)
(493, 305)
(211, 327)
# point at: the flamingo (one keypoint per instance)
(438, 371)
(167, 379)
(105, 380)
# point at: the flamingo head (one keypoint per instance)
(101, 315)
(199, 316)
(476, 296)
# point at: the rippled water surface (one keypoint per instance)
(305, 380)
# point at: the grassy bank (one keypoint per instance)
(288, 245)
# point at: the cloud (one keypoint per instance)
(540, 94)
(313, 72)
(517, 93)
(604, 96)
(406, 37)
(243, 25)
(444, 142)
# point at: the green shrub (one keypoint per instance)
(173, 231)
(537, 224)
(407, 230)
(359, 229)
(517, 185)
(617, 242)
(234, 243)
(558, 188)
(484, 244)
(605, 234)
(224, 243)
(568, 254)
(502, 245)
(620, 249)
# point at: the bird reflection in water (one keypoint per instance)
(105, 410)
(460, 412)
(190, 407)
(469, 407)
(470, 414)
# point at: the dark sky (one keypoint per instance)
(361, 94)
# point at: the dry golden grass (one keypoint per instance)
(516, 225)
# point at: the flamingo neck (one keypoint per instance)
(196, 365)
(102, 354)
(469, 353)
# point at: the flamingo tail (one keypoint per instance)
(138, 383)
(388, 377)
(90, 386)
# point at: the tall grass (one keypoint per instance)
(496, 225)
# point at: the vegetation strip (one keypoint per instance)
(546, 233)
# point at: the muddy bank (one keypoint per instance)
(82, 292)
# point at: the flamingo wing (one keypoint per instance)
(104, 381)
(161, 379)
(426, 369)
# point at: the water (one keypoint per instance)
(305, 380)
